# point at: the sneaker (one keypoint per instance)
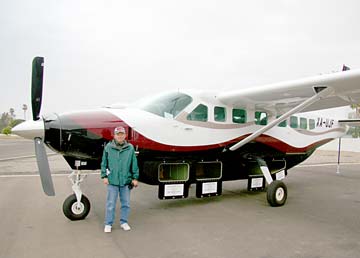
(125, 227)
(107, 229)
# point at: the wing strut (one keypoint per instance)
(319, 95)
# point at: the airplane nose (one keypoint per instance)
(30, 129)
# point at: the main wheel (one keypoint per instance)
(73, 211)
(277, 193)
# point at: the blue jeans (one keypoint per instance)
(112, 193)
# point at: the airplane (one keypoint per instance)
(197, 137)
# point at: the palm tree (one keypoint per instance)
(12, 112)
(24, 108)
(5, 120)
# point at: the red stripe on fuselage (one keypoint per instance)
(102, 123)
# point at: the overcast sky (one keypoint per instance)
(103, 52)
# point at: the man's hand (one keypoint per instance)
(106, 181)
(135, 183)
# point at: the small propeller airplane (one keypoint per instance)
(197, 137)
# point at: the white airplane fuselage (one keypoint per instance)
(190, 127)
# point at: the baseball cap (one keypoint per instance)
(119, 129)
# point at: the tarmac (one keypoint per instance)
(319, 219)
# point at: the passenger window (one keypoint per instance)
(311, 124)
(220, 114)
(303, 123)
(283, 123)
(294, 122)
(260, 118)
(200, 113)
(239, 116)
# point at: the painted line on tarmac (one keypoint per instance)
(327, 164)
(37, 175)
(19, 157)
(24, 157)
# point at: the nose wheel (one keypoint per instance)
(77, 205)
(75, 210)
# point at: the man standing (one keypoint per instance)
(120, 172)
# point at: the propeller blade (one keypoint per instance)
(44, 169)
(36, 86)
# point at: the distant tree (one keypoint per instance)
(357, 109)
(355, 130)
(15, 122)
(6, 130)
(25, 107)
(7, 121)
(12, 112)
(4, 120)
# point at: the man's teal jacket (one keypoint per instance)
(119, 164)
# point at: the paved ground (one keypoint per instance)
(320, 218)
(13, 147)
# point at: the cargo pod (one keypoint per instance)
(208, 178)
(173, 180)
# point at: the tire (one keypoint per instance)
(277, 193)
(72, 212)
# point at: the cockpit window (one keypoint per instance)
(167, 105)
(200, 113)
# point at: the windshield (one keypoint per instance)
(166, 105)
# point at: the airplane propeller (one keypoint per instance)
(36, 86)
(35, 129)
(41, 156)
(36, 96)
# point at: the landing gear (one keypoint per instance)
(75, 210)
(277, 190)
(277, 193)
(77, 205)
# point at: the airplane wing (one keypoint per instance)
(287, 95)
(287, 98)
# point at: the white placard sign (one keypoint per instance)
(257, 182)
(210, 187)
(174, 190)
(280, 175)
